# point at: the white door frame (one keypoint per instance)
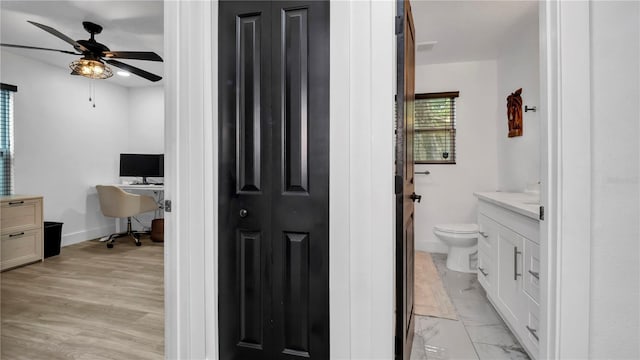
(361, 193)
(361, 188)
(191, 164)
(566, 179)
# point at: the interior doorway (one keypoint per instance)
(450, 60)
(86, 296)
(404, 178)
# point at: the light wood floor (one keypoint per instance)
(88, 303)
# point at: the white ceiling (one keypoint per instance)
(127, 26)
(466, 30)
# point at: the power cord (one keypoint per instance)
(144, 228)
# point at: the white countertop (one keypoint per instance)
(527, 204)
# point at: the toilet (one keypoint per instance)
(462, 240)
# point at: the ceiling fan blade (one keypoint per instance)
(137, 55)
(60, 35)
(134, 70)
(39, 48)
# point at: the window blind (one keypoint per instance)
(6, 138)
(435, 128)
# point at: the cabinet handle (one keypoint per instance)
(533, 332)
(17, 234)
(484, 234)
(16, 202)
(535, 274)
(515, 263)
(482, 271)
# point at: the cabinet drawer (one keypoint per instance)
(485, 271)
(531, 272)
(530, 331)
(486, 234)
(20, 248)
(18, 215)
(523, 225)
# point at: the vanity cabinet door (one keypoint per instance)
(510, 266)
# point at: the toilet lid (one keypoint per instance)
(457, 228)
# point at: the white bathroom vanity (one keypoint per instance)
(509, 261)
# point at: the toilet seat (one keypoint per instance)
(458, 228)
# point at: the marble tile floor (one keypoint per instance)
(479, 334)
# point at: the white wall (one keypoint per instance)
(615, 246)
(145, 136)
(64, 146)
(518, 67)
(448, 191)
(146, 120)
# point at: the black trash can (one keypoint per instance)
(52, 238)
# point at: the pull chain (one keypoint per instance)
(92, 92)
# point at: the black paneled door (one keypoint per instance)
(274, 180)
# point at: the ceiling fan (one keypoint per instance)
(95, 54)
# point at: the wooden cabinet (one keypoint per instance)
(21, 230)
(509, 269)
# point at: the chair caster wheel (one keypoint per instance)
(110, 246)
(138, 243)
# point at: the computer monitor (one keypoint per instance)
(142, 165)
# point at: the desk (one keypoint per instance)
(158, 194)
(147, 187)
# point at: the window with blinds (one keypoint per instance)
(6, 138)
(435, 128)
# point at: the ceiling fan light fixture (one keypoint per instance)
(92, 69)
(92, 63)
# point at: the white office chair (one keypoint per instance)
(117, 203)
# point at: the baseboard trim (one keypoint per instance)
(84, 235)
(433, 247)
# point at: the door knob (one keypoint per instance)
(243, 213)
(415, 197)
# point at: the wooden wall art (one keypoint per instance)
(514, 113)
